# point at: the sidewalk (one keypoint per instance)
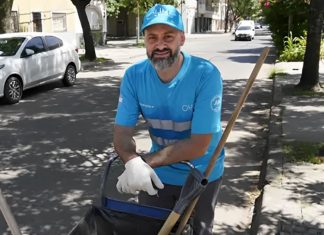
(293, 199)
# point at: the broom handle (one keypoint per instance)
(4, 208)
(226, 133)
(237, 110)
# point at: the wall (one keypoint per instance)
(60, 16)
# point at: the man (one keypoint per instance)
(180, 97)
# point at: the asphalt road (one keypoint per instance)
(54, 143)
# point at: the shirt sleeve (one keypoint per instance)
(208, 104)
(128, 106)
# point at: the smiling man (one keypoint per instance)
(180, 98)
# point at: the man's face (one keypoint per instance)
(163, 45)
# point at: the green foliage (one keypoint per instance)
(244, 9)
(294, 49)
(304, 152)
(276, 72)
(284, 16)
(114, 6)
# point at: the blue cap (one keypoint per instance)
(163, 14)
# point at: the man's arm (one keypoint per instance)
(124, 142)
(138, 175)
(187, 149)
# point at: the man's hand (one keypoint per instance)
(138, 176)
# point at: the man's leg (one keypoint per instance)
(204, 210)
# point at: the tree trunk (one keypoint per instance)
(90, 53)
(226, 16)
(5, 9)
(310, 75)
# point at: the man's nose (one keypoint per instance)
(160, 44)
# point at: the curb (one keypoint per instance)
(267, 224)
(88, 65)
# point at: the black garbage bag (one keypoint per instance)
(115, 217)
(136, 219)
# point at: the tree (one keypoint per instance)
(310, 74)
(283, 17)
(5, 9)
(138, 7)
(243, 9)
(90, 53)
(114, 6)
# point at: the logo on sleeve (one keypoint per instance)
(120, 100)
(216, 103)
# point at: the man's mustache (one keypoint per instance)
(163, 50)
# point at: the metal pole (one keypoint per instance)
(198, 19)
(137, 24)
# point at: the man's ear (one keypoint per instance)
(182, 38)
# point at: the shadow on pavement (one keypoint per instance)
(53, 146)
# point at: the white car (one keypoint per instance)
(244, 32)
(31, 59)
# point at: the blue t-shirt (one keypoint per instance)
(189, 104)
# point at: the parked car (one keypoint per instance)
(244, 32)
(32, 59)
(257, 26)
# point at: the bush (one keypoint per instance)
(294, 48)
(304, 152)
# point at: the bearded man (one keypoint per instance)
(180, 97)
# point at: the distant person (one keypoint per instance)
(180, 98)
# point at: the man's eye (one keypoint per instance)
(151, 39)
(169, 38)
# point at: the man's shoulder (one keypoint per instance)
(138, 67)
(202, 64)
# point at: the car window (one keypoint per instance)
(10, 46)
(53, 42)
(36, 44)
(244, 28)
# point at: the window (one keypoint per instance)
(10, 46)
(37, 22)
(59, 22)
(53, 42)
(36, 44)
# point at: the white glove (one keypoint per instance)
(138, 176)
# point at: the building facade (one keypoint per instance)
(60, 17)
(202, 16)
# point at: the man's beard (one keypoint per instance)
(165, 63)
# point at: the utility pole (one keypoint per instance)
(197, 17)
(137, 24)
(226, 16)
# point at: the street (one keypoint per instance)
(54, 143)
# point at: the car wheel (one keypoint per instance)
(69, 76)
(236, 38)
(12, 90)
